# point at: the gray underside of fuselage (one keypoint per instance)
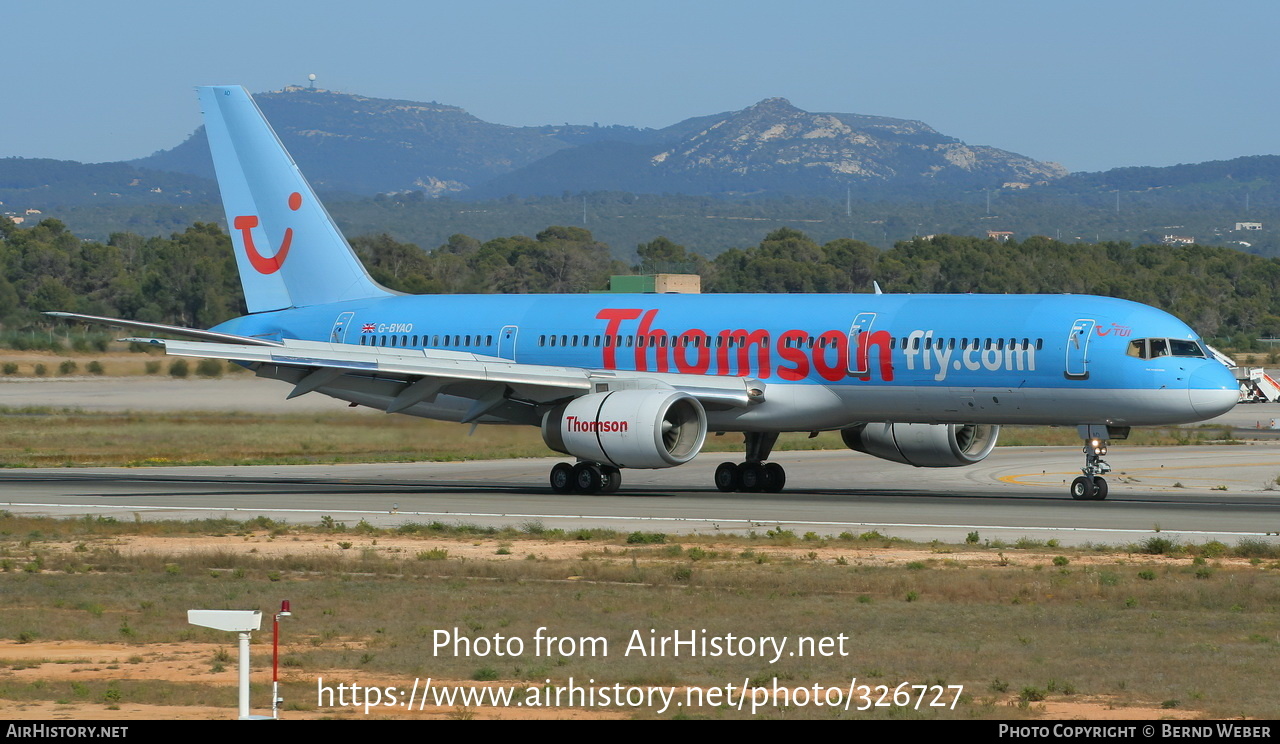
(802, 407)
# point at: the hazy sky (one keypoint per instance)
(1091, 84)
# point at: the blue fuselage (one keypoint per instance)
(831, 359)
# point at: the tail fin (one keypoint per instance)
(288, 249)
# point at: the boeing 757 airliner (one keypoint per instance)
(636, 381)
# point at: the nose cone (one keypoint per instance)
(1213, 390)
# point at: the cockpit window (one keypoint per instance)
(1185, 348)
(1150, 348)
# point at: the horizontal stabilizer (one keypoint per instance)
(196, 333)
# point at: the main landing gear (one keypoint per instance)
(1092, 486)
(585, 477)
(754, 475)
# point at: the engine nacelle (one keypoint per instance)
(628, 428)
(924, 445)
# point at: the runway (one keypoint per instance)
(1017, 492)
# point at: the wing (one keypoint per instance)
(448, 384)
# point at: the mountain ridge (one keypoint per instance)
(368, 145)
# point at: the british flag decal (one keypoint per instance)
(368, 328)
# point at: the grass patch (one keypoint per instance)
(1172, 635)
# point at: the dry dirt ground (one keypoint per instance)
(188, 662)
(183, 662)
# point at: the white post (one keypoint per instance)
(244, 676)
(233, 621)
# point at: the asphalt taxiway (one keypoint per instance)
(1194, 494)
(1198, 493)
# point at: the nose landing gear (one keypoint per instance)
(1092, 486)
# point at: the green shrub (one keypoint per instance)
(1213, 549)
(68, 367)
(209, 368)
(1254, 548)
(179, 368)
(1156, 545)
(10, 368)
(41, 370)
(152, 368)
(95, 368)
(646, 538)
(1061, 560)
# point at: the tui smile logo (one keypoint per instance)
(263, 264)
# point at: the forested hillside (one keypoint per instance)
(189, 278)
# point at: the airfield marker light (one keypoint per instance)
(276, 700)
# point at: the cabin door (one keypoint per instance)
(1077, 362)
(859, 358)
(507, 342)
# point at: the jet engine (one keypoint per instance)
(924, 445)
(628, 428)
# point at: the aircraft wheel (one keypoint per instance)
(775, 478)
(562, 477)
(727, 477)
(587, 477)
(1099, 488)
(1082, 489)
(751, 476)
(611, 479)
